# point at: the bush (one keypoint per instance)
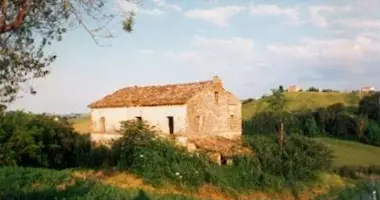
(36, 140)
(298, 159)
(156, 160)
(363, 190)
(43, 184)
(370, 106)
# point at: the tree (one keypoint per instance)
(313, 89)
(277, 103)
(281, 88)
(28, 26)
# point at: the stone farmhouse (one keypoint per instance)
(294, 88)
(188, 109)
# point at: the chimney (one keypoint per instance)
(217, 81)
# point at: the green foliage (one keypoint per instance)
(313, 89)
(44, 184)
(335, 120)
(276, 101)
(362, 190)
(370, 106)
(28, 27)
(40, 141)
(35, 140)
(355, 171)
(298, 159)
(372, 133)
(156, 160)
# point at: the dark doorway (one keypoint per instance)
(139, 119)
(102, 125)
(171, 124)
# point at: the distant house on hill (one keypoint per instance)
(368, 89)
(294, 88)
(189, 109)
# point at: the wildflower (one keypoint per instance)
(180, 177)
(141, 155)
(177, 174)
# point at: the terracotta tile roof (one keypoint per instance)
(175, 94)
(221, 145)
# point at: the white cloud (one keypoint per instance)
(362, 47)
(127, 7)
(165, 5)
(357, 23)
(223, 46)
(218, 16)
(185, 56)
(154, 11)
(145, 51)
(291, 14)
(317, 16)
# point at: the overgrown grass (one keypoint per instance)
(35, 183)
(352, 153)
(302, 100)
(272, 167)
(363, 190)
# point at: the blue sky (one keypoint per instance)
(252, 45)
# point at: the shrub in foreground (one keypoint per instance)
(363, 190)
(155, 160)
(36, 140)
(45, 184)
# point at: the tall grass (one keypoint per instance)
(272, 166)
(45, 184)
(364, 190)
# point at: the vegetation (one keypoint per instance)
(285, 160)
(351, 153)
(298, 101)
(46, 184)
(39, 141)
(363, 190)
(28, 26)
(337, 120)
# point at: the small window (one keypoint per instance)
(216, 96)
(199, 122)
(139, 119)
(232, 117)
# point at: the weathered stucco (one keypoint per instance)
(214, 111)
(156, 116)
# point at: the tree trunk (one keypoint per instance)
(281, 134)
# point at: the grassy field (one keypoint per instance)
(82, 124)
(352, 153)
(302, 100)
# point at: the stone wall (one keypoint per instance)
(214, 111)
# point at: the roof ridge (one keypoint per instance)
(152, 95)
(166, 85)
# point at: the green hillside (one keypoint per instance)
(352, 153)
(302, 100)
